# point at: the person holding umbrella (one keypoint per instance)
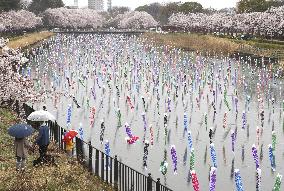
(68, 139)
(43, 137)
(42, 141)
(21, 146)
(20, 132)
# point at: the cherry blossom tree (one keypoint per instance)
(133, 20)
(15, 88)
(18, 21)
(72, 18)
(266, 24)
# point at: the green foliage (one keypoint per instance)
(7, 5)
(38, 6)
(154, 9)
(161, 13)
(190, 7)
(247, 6)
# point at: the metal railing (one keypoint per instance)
(109, 169)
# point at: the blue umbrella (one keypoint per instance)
(20, 130)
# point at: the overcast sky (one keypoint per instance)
(217, 4)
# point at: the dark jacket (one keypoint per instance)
(43, 136)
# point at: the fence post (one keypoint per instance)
(158, 185)
(56, 132)
(102, 166)
(61, 137)
(149, 182)
(115, 173)
(90, 158)
(97, 162)
(79, 150)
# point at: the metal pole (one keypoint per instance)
(149, 182)
(90, 158)
(158, 185)
(115, 173)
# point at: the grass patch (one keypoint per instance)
(28, 39)
(194, 42)
(209, 43)
(7, 118)
(65, 176)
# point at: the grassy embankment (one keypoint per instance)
(28, 39)
(202, 43)
(64, 176)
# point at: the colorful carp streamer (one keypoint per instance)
(225, 99)
(117, 91)
(213, 179)
(92, 116)
(189, 138)
(144, 103)
(144, 122)
(213, 155)
(185, 121)
(277, 184)
(233, 138)
(258, 179)
(151, 134)
(76, 102)
(206, 120)
(174, 158)
(145, 126)
(82, 82)
(164, 164)
(194, 180)
(192, 159)
(131, 139)
(236, 104)
(271, 157)
(273, 102)
(69, 113)
(211, 133)
(238, 180)
(273, 140)
(102, 131)
(262, 118)
(129, 102)
(215, 111)
(169, 104)
(255, 156)
(118, 114)
(225, 120)
(88, 103)
(107, 151)
(244, 120)
(257, 134)
(128, 130)
(81, 132)
(107, 148)
(165, 118)
(166, 133)
(146, 152)
(93, 91)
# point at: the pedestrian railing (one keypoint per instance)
(109, 169)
